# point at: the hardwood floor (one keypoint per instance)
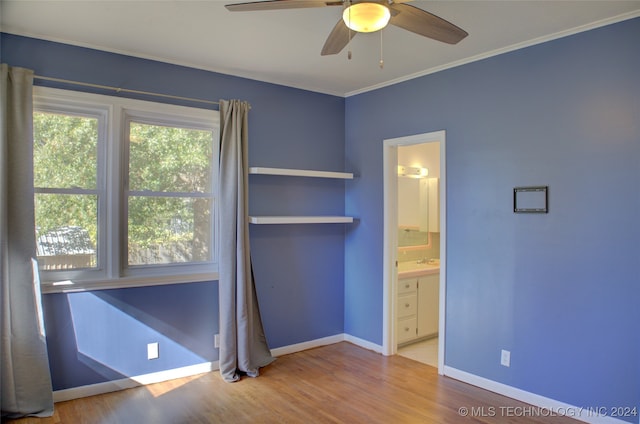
(340, 383)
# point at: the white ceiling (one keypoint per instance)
(283, 46)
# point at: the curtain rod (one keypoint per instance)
(125, 90)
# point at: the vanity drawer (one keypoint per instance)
(407, 305)
(407, 286)
(406, 329)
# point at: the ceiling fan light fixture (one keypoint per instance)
(366, 16)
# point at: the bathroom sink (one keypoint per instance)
(414, 267)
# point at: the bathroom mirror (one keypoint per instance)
(413, 211)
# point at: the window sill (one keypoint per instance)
(124, 282)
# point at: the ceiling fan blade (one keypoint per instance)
(279, 4)
(338, 39)
(424, 23)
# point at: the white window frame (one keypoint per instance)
(113, 112)
(101, 113)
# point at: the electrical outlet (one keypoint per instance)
(505, 358)
(216, 341)
(153, 351)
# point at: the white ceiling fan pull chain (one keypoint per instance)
(348, 4)
(381, 58)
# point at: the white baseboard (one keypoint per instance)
(363, 343)
(127, 383)
(157, 377)
(298, 347)
(544, 404)
(337, 338)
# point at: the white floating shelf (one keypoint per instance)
(300, 219)
(300, 173)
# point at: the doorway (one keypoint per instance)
(391, 230)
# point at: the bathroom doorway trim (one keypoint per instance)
(390, 257)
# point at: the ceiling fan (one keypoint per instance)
(366, 16)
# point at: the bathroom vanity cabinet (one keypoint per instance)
(417, 307)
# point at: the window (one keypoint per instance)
(124, 190)
(67, 194)
(169, 193)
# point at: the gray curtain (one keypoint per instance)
(26, 381)
(243, 346)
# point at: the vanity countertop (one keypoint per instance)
(411, 269)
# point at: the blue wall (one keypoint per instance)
(102, 335)
(559, 290)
